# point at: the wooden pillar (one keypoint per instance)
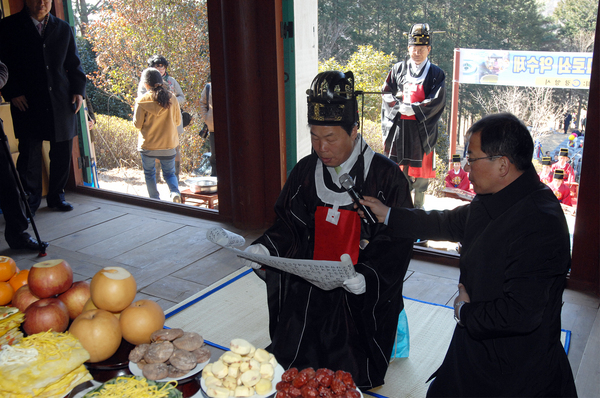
(246, 51)
(585, 269)
(454, 103)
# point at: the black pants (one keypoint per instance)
(29, 165)
(213, 154)
(10, 201)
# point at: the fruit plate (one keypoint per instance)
(135, 370)
(276, 379)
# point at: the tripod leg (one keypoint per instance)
(6, 148)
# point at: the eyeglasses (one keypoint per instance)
(159, 66)
(471, 160)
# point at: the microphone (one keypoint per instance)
(348, 185)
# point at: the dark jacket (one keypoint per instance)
(47, 70)
(514, 261)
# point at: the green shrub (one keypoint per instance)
(115, 141)
(371, 132)
(192, 146)
(437, 184)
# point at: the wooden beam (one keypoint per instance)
(585, 268)
(248, 94)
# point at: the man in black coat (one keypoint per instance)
(46, 90)
(513, 265)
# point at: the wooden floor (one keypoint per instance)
(171, 259)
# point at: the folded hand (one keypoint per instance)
(356, 285)
(254, 249)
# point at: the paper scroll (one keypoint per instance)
(326, 275)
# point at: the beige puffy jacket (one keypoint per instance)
(157, 125)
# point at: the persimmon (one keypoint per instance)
(8, 268)
(19, 279)
(6, 293)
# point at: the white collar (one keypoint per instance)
(418, 68)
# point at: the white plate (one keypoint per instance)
(276, 379)
(97, 384)
(135, 370)
(80, 394)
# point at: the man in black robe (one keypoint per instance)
(414, 97)
(351, 328)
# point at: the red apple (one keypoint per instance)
(76, 297)
(49, 278)
(46, 314)
(23, 297)
(99, 333)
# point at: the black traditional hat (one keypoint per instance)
(559, 174)
(455, 158)
(157, 59)
(564, 152)
(546, 161)
(331, 99)
(419, 35)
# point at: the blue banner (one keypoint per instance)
(525, 68)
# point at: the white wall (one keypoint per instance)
(307, 51)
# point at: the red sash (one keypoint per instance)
(412, 93)
(336, 233)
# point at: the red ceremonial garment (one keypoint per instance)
(336, 232)
(546, 178)
(412, 93)
(427, 170)
(569, 172)
(562, 193)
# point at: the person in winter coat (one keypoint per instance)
(206, 113)
(157, 115)
(161, 64)
(514, 262)
(46, 90)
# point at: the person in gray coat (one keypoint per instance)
(206, 113)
